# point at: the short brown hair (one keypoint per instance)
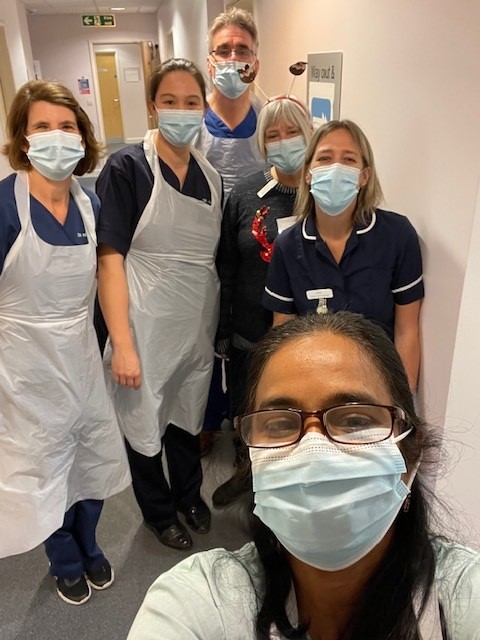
(237, 17)
(370, 195)
(17, 120)
(175, 64)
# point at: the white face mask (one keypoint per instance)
(334, 187)
(329, 505)
(287, 155)
(55, 154)
(227, 79)
(179, 126)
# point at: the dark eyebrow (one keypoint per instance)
(331, 401)
(35, 124)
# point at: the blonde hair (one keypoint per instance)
(286, 109)
(369, 197)
(237, 17)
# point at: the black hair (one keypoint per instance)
(384, 609)
(175, 64)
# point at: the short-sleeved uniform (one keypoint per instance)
(224, 590)
(125, 186)
(380, 267)
(47, 227)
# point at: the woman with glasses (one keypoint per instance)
(158, 291)
(342, 540)
(346, 253)
(259, 207)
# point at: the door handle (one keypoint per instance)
(116, 100)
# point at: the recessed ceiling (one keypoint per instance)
(90, 6)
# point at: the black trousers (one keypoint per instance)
(158, 500)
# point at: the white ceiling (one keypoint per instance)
(89, 7)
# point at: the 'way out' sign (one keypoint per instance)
(98, 21)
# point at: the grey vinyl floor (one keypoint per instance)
(30, 608)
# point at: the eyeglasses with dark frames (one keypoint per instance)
(351, 423)
(241, 52)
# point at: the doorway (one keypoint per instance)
(106, 63)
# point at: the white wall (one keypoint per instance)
(62, 45)
(410, 81)
(187, 21)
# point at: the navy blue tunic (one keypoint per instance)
(380, 267)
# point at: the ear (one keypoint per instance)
(210, 67)
(364, 176)
(308, 176)
(152, 108)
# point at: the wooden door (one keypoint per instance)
(109, 96)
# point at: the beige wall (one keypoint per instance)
(410, 81)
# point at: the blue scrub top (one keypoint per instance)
(380, 267)
(47, 227)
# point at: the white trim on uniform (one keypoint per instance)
(304, 233)
(278, 296)
(408, 286)
(370, 226)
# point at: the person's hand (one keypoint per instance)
(126, 367)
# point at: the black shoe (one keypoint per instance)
(199, 518)
(175, 536)
(73, 591)
(230, 490)
(102, 577)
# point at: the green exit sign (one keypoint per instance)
(98, 21)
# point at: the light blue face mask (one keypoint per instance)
(179, 126)
(329, 505)
(55, 154)
(334, 187)
(227, 80)
(286, 155)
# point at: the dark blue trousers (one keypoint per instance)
(73, 548)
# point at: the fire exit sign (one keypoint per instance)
(98, 21)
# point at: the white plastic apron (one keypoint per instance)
(59, 439)
(173, 309)
(233, 158)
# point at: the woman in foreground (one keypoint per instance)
(342, 544)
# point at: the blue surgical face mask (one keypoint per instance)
(286, 155)
(179, 126)
(334, 187)
(55, 154)
(227, 80)
(329, 505)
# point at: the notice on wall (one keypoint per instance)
(131, 74)
(324, 85)
(84, 86)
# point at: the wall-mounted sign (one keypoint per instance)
(84, 86)
(98, 21)
(324, 85)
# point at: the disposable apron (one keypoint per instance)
(173, 309)
(233, 158)
(59, 439)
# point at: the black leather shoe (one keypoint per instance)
(175, 536)
(199, 518)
